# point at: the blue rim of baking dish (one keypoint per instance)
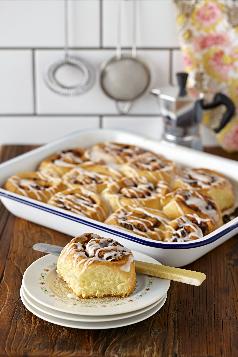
(148, 243)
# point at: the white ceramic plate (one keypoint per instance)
(81, 318)
(93, 325)
(42, 284)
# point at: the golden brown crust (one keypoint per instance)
(34, 185)
(82, 202)
(131, 192)
(188, 227)
(180, 202)
(112, 152)
(102, 169)
(151, 166)
(89, 180)
(146, 222)
(93, 266)
(210, 183)
(58, 164)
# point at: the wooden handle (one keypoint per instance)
(170, 273)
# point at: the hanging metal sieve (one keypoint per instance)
(125, 77)
(83, 70)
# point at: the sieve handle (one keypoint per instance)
(66, 30)
(123, 107)
(134, 29)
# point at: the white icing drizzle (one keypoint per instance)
(186, 229)
(95, 249)
(200, 178)
(131, 188)
(194, 200)
(78, 202)
(88, 179)
(140, 221)
(39, 185)
(127, 266)
(69, 158)
(152, 162)
(111, 152)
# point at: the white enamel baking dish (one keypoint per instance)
(175, 254)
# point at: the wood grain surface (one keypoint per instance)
(195, 322)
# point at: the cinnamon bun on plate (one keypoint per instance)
(182, 202)
(131, 192)
(113, 153)
(146, 222)
(188, 227)
(210, 183)
(151, 166)
(82, 202)
(93, 266)
(58, 164)
(90, 180)
(34, 185)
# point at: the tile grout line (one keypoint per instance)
(100, 121)
(101, 24)
(34, 83)
(75, 115)
(171, 65)
(89, 48)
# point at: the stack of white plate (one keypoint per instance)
(45, 295)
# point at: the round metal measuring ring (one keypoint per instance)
(86, 77)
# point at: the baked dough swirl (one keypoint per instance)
(131, 192)
(90, 180)
(188, 227)
(82, 202)
(210, 183)
(58, 164)
(93, 266)
(113, 153)
(146, 222)
(34, 185)
(151, 166)
(181, 202)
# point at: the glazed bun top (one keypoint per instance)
(92, 246)
(202, 178)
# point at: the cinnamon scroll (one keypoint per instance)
(132, 192)
(180, 202)
(209, 183)
(151, 166)
(146, 222)
(90, 180)
(81, 201)
(34, 185)
(113, 153)
(94, 266)
(188, 227)
(58, 164)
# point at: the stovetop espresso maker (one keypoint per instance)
(182, 110)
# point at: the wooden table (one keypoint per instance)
(195, 322)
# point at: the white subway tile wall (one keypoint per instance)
(95, 101)
(32, 37)
(35, 130)
(16, 85)
(156, 24)
(148, 127)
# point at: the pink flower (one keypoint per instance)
(219, 63)
(230, 141)
(208, 13)
(203, 42)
